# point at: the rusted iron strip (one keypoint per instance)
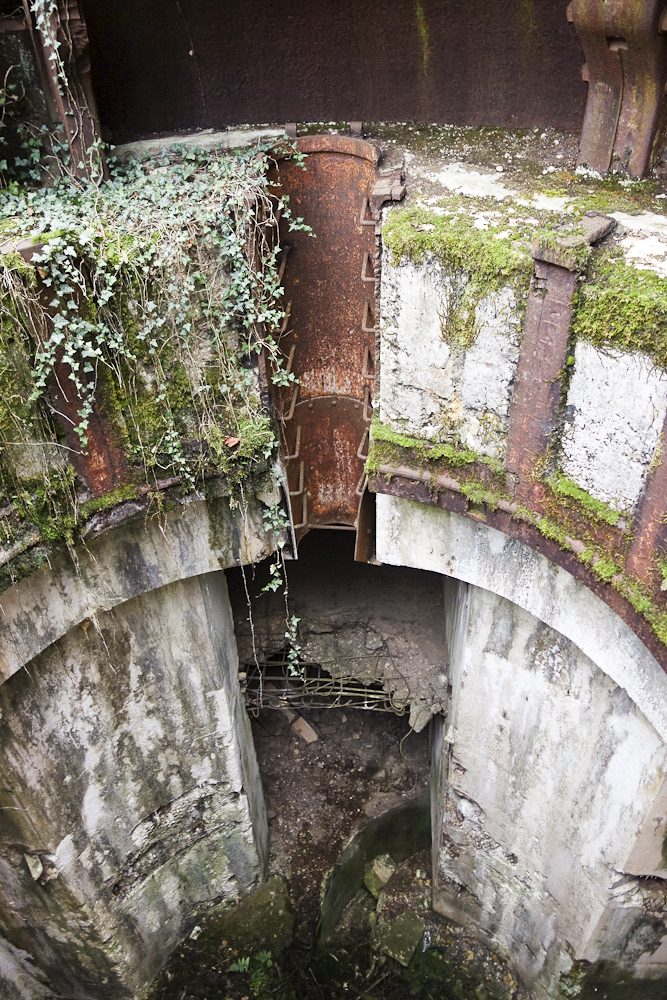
(626, 67)
(650, 525)
(501, 519)
(64, 54)
(541, 361)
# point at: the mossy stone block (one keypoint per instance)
(378, 873)
(400, 939)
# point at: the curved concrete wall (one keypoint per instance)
(131, 800)
(553, 797)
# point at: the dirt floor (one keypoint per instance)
(320, 793)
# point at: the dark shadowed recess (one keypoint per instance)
(161, 66)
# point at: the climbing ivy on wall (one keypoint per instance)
(150, 295)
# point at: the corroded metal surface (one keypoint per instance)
(101, 466)
(626, 66)
(541, 362)
(650, 527)
(159, 67)
(330, 335)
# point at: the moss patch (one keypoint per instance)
(387, 446)
(622, 307)
(490, 262)
(564, 487)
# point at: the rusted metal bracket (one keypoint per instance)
(390, 186)
(626, 69)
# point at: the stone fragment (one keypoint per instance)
(35, 866)
(378, 873)
(400, 940)
(305, 731)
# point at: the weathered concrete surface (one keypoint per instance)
(412, 534)
(616, 405)
(556, 730)
(19, 979)
(131, 797)
(199, 537)
(431, 388)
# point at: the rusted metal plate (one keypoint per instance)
(102, 467)
(327, 478)
(626, 65)
(330, 336)
(543, 354)
(650, 528)
(160, 66)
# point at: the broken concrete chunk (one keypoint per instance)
(378, 873)
(400, 940)
(305, 731)
(35, 866)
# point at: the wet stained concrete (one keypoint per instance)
(320, 795)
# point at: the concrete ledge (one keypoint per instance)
(200, 537)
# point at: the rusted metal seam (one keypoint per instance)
(511, 521)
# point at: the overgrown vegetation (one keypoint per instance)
(149, 299)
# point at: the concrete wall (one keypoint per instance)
(430, 388)
(131, 800)
(126, 772)
(615, 412)
(553, 799)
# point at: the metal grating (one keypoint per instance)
(270, 685)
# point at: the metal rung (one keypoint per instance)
(297, 446)
(366, 265)
(283, 325)
(290, 359)
(364, 323)
(290, 412)
(368, 405)
(304, 513)
(368, 358)
(283, 262)
(361, 485)
(366, 210)
(364, 441)
(302, 476)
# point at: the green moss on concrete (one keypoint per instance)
(567, 488)
(564, 248)
(622, 307)
(451, 239)
(388, 447)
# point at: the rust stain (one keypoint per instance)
(330, 335)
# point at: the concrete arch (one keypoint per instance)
(199, 537)
(424, 537)
(554, 767)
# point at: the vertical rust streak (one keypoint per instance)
(650, 527)
(543, 354)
